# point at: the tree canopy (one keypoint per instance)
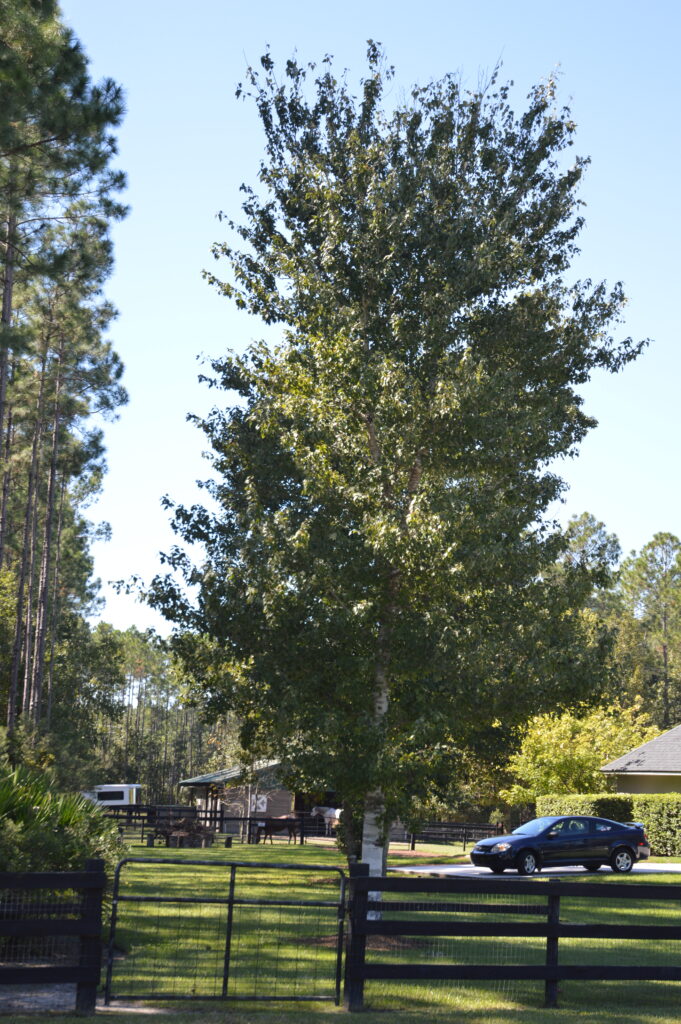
(58, 195)
(564, 753)
(378, 588)
(650, 590)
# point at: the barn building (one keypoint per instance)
(226, 794)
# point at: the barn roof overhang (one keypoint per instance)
(229, 774)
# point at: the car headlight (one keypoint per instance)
(500, 847)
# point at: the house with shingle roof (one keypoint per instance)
(654, 767)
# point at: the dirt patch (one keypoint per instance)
(37, 998)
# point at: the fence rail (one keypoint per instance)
(370, 916)
(448, 832)
(26, 916)
(148, 818)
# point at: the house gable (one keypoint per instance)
(661, 756)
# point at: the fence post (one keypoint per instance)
(353, 994)
(230, 925)
(90, 945)
(553, 919)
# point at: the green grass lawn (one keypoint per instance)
(182, 945)
(167, 946)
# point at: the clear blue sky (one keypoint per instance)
(187, 144)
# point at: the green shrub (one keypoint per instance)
(43, 830)
(615, 806)
(661, 815)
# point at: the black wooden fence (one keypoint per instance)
(437, 914)
(449, 832)
(148, 819)
(50, 930)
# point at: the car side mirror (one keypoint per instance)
(551, 835)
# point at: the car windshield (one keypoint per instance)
(534, 827)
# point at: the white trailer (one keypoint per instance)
(115, 794)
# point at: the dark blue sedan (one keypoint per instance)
(558, 841)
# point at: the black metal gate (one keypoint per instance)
(209, 930)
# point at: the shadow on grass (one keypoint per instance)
(609, 1003)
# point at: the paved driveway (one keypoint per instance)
(470, 871)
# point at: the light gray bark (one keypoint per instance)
(48, 534)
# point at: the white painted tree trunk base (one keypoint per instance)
(375, 854)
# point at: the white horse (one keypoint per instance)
(331, 816)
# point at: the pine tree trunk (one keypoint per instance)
(19, 625)
(166, 730)
(666, 711)
(7, 300)
(26, 571)
(25, 574)
(44, 585)
(6, 484)
(128, 715)
(54, 614)
(29, 637)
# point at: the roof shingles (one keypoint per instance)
(663, 755)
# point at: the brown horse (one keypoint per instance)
(282, 823)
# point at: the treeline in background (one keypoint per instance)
(95, 703)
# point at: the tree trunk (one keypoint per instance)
(666, 711)
(25, 572)
(29, 638)
(17, 646)
(7, 299)
(375, 828)
(44, 586)
(374, 839)
(6, 484)
(54, 613)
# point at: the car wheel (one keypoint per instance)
(591, 867)
(622, 860)
(526, 862)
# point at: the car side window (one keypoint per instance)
(603, 826)
(575, 825)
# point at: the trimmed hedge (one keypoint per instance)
(659, 812)
(661, 815)
(615, 806)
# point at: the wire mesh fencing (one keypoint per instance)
(194, 929)
(430, 940)
(50, 940)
